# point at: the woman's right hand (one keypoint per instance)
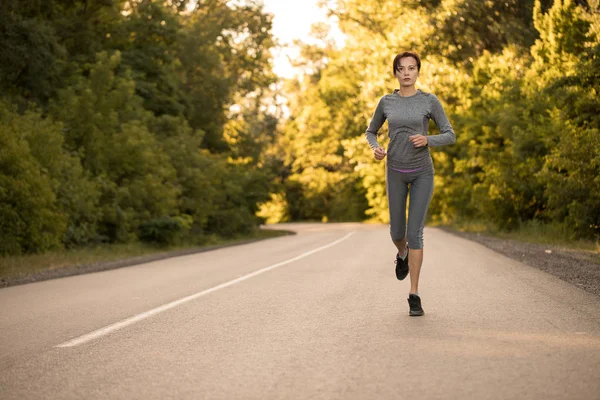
(379, 153)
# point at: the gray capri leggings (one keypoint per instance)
(420, 186)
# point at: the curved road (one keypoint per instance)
(318, 315)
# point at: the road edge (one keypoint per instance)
(577, 267)
(80, 269)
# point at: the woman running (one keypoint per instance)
(409, 165)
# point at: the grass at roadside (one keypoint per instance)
(13, 267)
(533, 232)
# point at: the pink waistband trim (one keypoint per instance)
(406, 170)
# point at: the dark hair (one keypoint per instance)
(405, 54)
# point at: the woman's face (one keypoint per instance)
(407, 72)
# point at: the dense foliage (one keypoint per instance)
(114, 121)
(125, 120)
(520, 81)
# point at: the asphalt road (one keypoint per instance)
(318, 315)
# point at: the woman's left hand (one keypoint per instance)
(418, 140)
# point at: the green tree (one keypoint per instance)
(224, 54)
(518, 81)
(30, 218)
(107, 125)
(148, 42)
(32, 58)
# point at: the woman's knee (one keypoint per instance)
(397, 235)
(415, 240)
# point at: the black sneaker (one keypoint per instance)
(414, 302)
(401, 266)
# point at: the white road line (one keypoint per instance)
(139, 317)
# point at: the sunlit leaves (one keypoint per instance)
(514, 156)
